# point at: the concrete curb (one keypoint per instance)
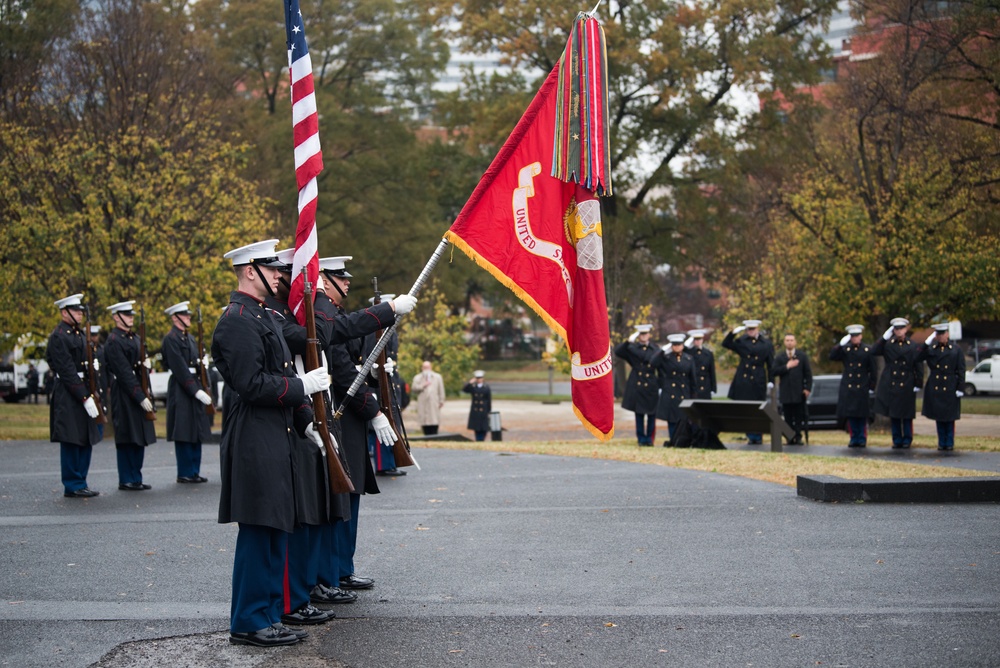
(900, 490)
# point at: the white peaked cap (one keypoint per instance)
(749, 324)
(677, 338)
(179, 307)
(855, 329)
(478, 373)
(72, 300)
(94, 329)
(696, 333)
(261, 250)
(335, 264)
(644, 328)
(899, 322)
(121, 306)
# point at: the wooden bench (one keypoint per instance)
(759, 417)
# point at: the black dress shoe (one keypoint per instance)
(84, 493)
(392, 472)
(331, 595)
(269, 637)
(308, 615)
(191, 479)
(301, 634)
(133, 486)
(355, 582)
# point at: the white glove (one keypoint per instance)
(317, 380)
(90, 406)
(146, 405)
(633, 337)
(97, 364)
(314, 436)
(384, 432)
(916, 389)
(320, 285)
(665, 348)
(888, 334)
(845, 340)
(930, 339)
(871, 393)
(737, 330)
(688, 341)
(403, 304)
(390, 365)
(770, 386)
(204, 361)
(959, 393)
(203, 397)
(148, 363)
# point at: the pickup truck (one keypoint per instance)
(158, 387)
(984, 378)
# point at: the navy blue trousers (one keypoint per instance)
(946, 434)
(347, 541)
(645, 428)
(672, 430)
(328, 564)
(258, 578)
(902, 431)
(188, 459)
(857, 427)
(74, 461)
(130, 458)
(303, 564)
(382, 454)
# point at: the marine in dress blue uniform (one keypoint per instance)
(943, 390)
(187, 423)
(71, 408)
(857, 383)
(129, 404)
(705, 385)
(901, 378)
(641, 389)
(481, 406)
(793, 368)
(267, 412)
(385, 461)
(753, 374)
(675, 373)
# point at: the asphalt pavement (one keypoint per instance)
(499, 559)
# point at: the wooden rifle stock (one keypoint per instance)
(101, 418)
(143, 371)
(386, 401)
(202, 371)
(340, 482)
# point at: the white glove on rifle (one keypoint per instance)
(916, 389)
(845, 340)
(403, 304)
(737, 330)
(770, 386)
(930, 339)
(959, 393)
(90, 406)
(148, 363)
(380, 425)
(204, 361)
(887, 334)
(97, 364)
(314, 435)
(146, 405)
(315, 381)
(633, 337)
(390, 365)
(203, 397)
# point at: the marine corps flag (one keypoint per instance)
(534, 221)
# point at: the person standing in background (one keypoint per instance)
(482, 404)
(187, 421)
(429, 386)
(641, 389)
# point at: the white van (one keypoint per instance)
(985, 377)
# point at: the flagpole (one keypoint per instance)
(387, 334)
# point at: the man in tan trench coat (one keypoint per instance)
(430, 388)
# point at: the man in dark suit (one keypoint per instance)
(792, 367)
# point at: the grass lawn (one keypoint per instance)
(30, 422)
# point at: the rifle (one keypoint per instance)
(143, 371)
(386, 399)
(101, 418)
(202, 371)
(340, 482)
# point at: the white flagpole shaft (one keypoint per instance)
(387, 334)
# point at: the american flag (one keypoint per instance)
(308, 156)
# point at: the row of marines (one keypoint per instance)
(661, 379)
(274, 477)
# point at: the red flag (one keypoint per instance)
(541, 237)
(308, 157)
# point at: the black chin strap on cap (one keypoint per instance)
(284, 281)
(122, 321)
(267, 284)
(336, 286)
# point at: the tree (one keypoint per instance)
(122, 184)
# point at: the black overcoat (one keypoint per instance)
(482, 404)
(641, 387)
(793, 381)
(857, 380)
(67, 358)
(704, 372)
(754, 370)
(895, 396)
(186, 417)
(267, 413)
(676, 380)
(946, 366)
(122, 354)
